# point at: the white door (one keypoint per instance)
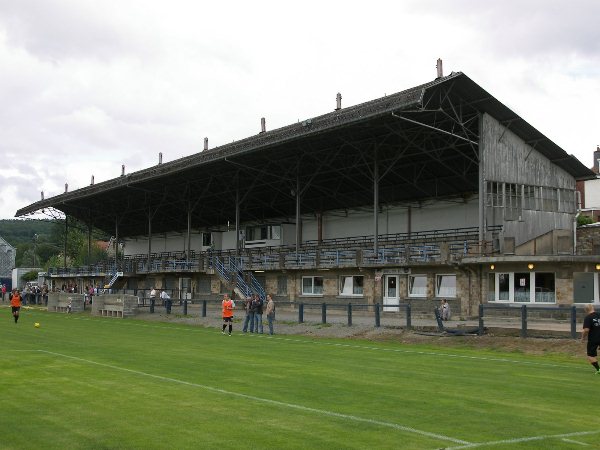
(391, 293)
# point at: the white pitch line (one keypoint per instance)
(575, 442)
(269, 401)
(525, 439)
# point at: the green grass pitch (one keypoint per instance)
(80, 382)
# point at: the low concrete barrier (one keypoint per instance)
(59, 302)
(115, 305)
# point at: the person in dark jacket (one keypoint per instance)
(249, 320)
(591, 330)
(257, 306)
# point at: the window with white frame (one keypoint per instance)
(351, 285)
(522, 287)
(445, 285)
(417, 285)
(312, 285)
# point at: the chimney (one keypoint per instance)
(596, 167)
(122, 170)
(92, 181)
(42, 195)
(66, 187)
(263, 125)
(159, 158)
(440, 69)
(206, 143)
(338, 101)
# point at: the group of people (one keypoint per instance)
(255, 307)
(164, 297)
(33, 294)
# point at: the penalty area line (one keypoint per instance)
(322, 412)
(526, 439)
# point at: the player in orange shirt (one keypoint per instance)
(228, 306)
(15, 303)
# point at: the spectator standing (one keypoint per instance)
(45, 294)
(15, 304)
(3, 292)
(270, 312)
(166, 301)
(228, 305)
(25, 297)
(591, 330)
(258, 313)
(445, 310)
(249, 319)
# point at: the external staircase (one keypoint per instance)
(231, 271)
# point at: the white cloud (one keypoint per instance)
(87, 86)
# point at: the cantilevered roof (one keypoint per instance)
(418, 144)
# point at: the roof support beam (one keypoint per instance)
(434, 128)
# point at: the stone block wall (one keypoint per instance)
(58, 301)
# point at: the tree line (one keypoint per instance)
(41, 243)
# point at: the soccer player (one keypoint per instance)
(15, 304)
(228, 306)
(591, 330)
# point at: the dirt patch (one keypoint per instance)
(497, 339)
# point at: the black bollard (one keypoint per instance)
(573, 322)
(408, 317)
(523, 321)
(480, 332)
(203, 308)
(349, 314)
(185, 307)
(152, 305)
(324, 313)
(301, 313)
(377, 318)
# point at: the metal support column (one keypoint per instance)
(376, 205)
(117, 244)
(481, 185)
(66, 236)
(149, 236)
(298, 224)
(237, 222)
(189, 233)
(89, 244)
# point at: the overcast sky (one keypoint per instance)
(88, 85)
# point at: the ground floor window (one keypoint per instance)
(204, 285)
(351, 285)
(282, 285)
(445, 286)
(417, 286)
(312, 285)
(522, 287)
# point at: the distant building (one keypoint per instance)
(590, 191)
(7, 258)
